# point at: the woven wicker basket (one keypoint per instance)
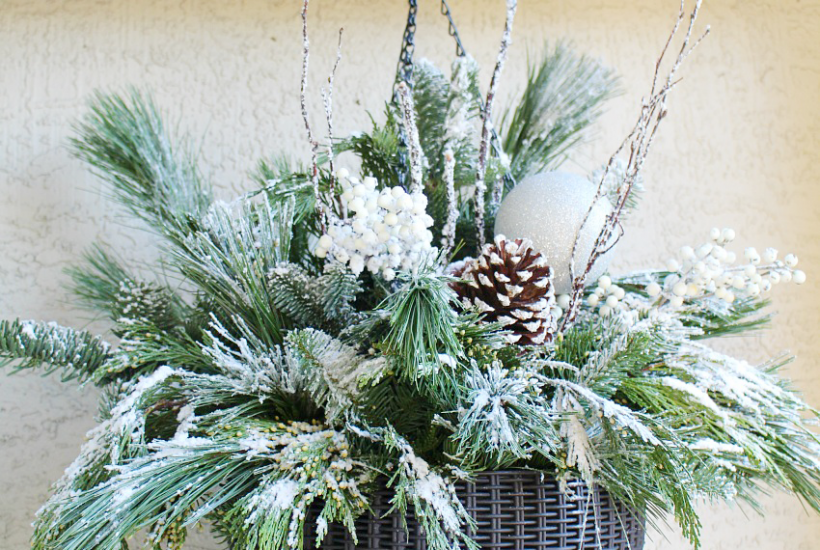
(513, 510)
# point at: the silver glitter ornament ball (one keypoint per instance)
(548, 209)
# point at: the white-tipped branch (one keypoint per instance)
(448, 232)
(314, 145)
(638, 142)
(327, 100)
(415, 153)
(486, 123)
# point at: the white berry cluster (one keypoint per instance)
(381, 230)
(607, 295)
(710, 270)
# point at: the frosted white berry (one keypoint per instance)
(727, 235)
(679, 289)
(325, 241)
(714, 234)
(612, 301)
(605, 282)
(770, 255)
(381, 229)
(593, 300)
(563, 301)
(798, 277)
(605, 310)
(653, 289)
(790, 260)
(676, 301)
(704, 250)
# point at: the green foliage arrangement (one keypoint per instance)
(283, 372)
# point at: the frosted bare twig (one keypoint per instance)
(314, 145)
(327, 99)
(408, 111)
(638, 142)
(486, 126)
(448, 232)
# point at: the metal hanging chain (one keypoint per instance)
(404, 68)
(404, 73)
(495, 141)
(452, 30)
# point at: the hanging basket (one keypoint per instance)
(513, 510)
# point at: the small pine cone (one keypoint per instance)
(510, 283)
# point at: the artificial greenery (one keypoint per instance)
(270, 383)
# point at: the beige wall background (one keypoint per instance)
(740, 149)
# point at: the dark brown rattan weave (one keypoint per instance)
(513, 510)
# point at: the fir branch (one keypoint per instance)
(378, 150)
(31, 344)
(323, 302)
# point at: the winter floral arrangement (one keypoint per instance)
(441, 312)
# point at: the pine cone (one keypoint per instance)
(510, 283)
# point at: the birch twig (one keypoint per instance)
(486, 126)
(327, 99)
(638, 142)
(314, 145)
(448, 232)
(413, 144)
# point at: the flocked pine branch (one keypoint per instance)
(103, 284)
(563, 97)
(124, 139)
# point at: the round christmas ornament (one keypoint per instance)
(549, 209)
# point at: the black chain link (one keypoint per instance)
(452, 30)
(404, 73)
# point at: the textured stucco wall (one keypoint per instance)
(740, 149)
